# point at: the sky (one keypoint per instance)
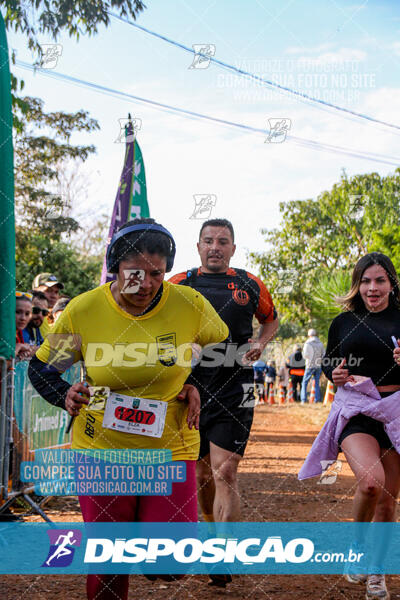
(345, 53)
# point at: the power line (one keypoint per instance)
(281, 88)
(311, 144)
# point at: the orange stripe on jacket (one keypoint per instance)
(178, 277)
(265, 309)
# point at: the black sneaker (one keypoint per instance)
(220, 580)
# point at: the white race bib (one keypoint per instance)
(129, 414)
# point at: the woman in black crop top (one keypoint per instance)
(359, 343)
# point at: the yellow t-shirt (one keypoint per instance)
(147, 357)
(45, 327)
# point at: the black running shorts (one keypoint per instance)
(227, 412)
(363, 424)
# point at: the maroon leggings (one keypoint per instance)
(180, 506)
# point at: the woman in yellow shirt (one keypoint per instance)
(134, 336)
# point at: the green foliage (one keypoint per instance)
(323, 303)
(387, 240)
(75, 17)
(288, 331)
(43, 223)
(48, 237)
(318, 238)
(37, 160)
(37, 254)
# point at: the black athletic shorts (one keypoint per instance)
(227, 411)
(363, 424)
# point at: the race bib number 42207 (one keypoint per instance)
(141, 416)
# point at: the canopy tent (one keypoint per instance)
(7, 222)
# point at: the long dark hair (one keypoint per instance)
(352, 300)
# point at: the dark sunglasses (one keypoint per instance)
(36, 310)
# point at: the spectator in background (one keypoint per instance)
(23, 314)
(50, 286)
(313, 351)
(59, 307)
(270, 375)
(40, 310)
(283, 375)
(260, 370)
(296, 365)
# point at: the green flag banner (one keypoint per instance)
(7, 223)
(138, 202)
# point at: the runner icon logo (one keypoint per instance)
(278, 129)
(286, 280)
(249, 399)
(330, 471)
(357, 203)
(63, 349)
(50, 54)
(204, 203)
(128, 129)
(202, 55)
(98, 397)
(133, 280)
(61, 552)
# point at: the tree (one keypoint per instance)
(323, 301)
(76, 17)
(387, 240)
(37, 159)
(36, 254)
(324, 237)
(47, 234)
(43, 222)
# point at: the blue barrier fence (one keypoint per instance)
(37, 424)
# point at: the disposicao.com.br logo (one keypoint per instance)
(247, 551)
(199, 548)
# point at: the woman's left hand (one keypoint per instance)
(192, 397)
(396, 355)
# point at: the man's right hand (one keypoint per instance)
(77, 395)
(340, 375)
